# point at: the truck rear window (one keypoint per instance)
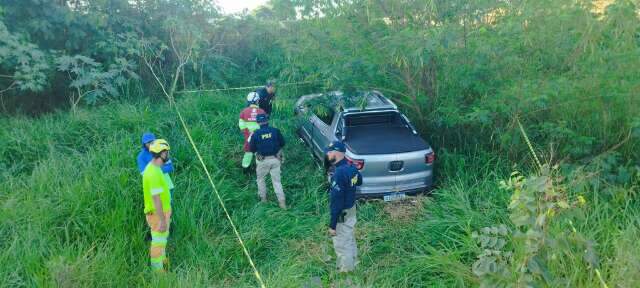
(392, 118)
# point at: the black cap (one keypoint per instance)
(336, 146)
(262, 118)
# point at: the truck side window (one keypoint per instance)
(339, 128)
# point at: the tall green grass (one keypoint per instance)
(71, 210)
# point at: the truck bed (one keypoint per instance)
(383, 139)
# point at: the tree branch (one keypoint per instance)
(9, 88)
(153, 73)
(614, 147)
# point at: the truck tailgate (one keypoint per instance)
(383, 139)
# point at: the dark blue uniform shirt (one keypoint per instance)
(266, 99)
(266, 141)
(343, 189)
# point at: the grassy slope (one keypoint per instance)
(71, 208)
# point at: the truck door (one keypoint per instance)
(322, 134)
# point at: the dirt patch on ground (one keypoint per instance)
(405, 210)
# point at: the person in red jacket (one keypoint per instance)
(248, 125)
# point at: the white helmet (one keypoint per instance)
(252, 98)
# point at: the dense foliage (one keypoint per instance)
(58, 52)
(464, 69)
(478, 78)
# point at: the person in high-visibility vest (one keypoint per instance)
(248, 125)
(144, 157)
(157, 204)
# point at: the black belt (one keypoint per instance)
(262, 157)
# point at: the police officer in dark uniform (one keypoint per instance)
(267, 143)
(344, 181)
(267, 96)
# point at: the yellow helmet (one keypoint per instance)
(159, 145)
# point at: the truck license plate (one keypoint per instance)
(394, 197)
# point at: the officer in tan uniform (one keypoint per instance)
(267, 143)
(342, 197)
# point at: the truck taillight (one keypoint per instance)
(430, 158)
(356, 162)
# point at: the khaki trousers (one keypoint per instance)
(344, 242)
(269, 165)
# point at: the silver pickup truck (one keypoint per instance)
(381, 142)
